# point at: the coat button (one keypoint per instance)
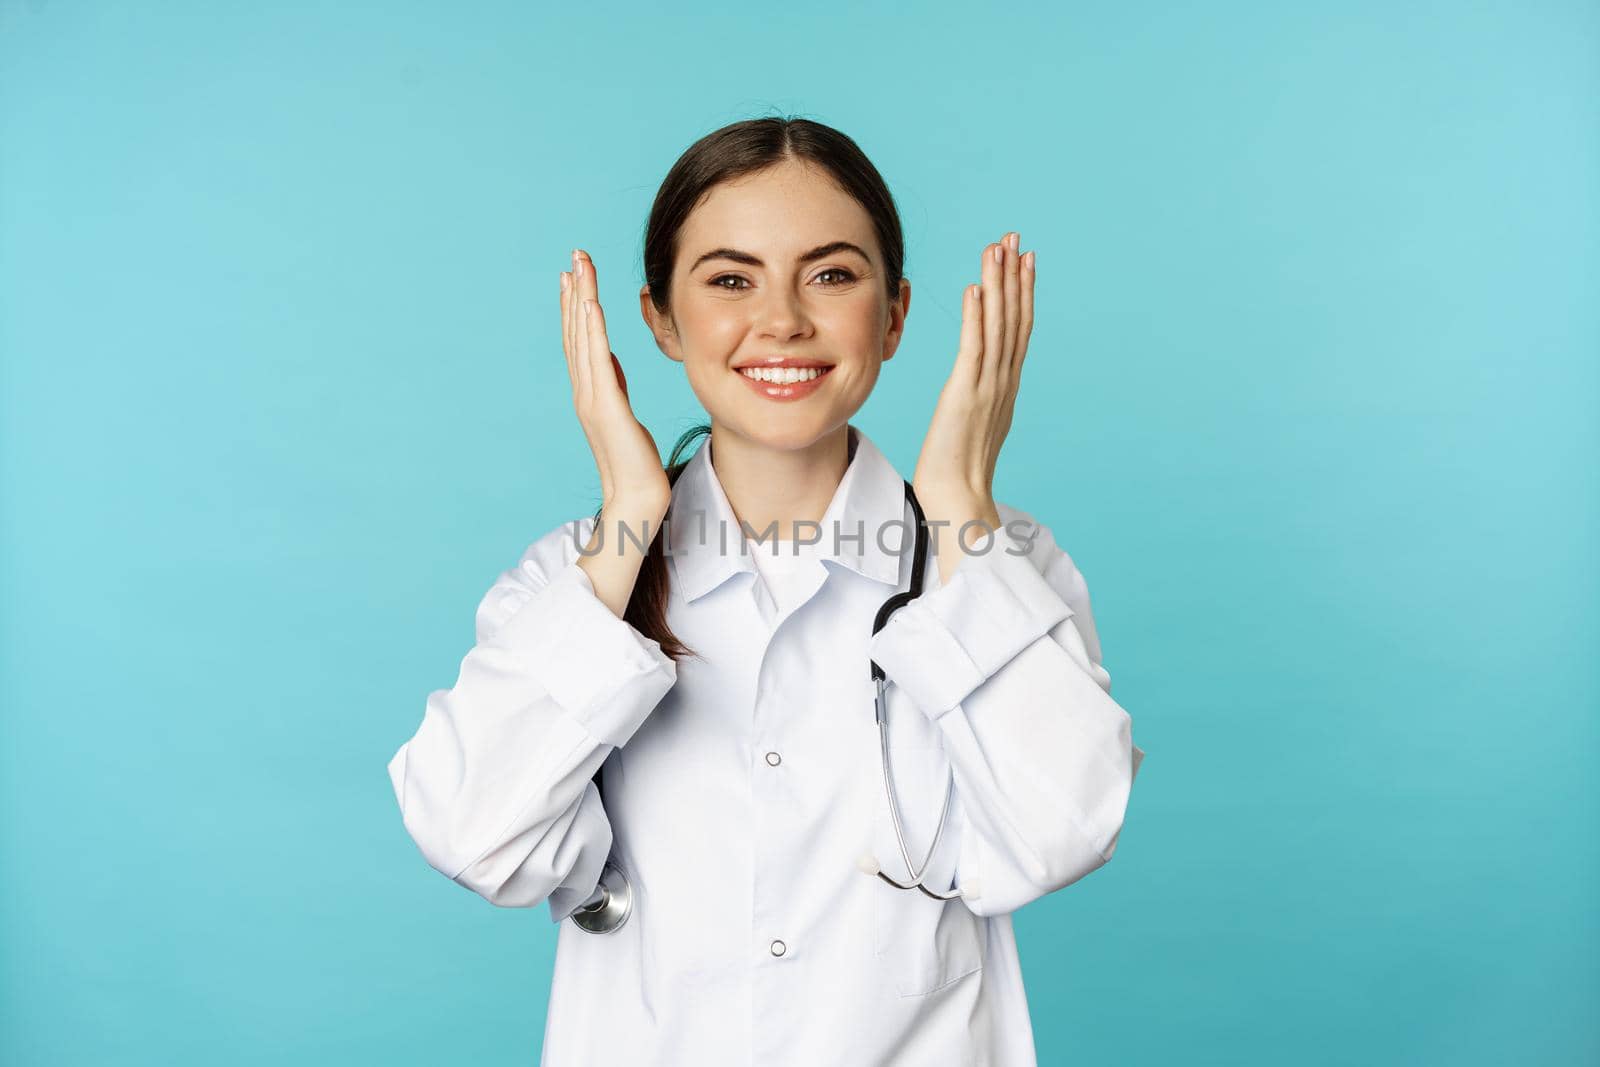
(779, 948)
(773, 759)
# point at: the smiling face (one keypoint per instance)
(780, 270)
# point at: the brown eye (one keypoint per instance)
(715, 282)
(846, 275)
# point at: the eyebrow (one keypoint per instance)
(805, 257)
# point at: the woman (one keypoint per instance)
(656, 688)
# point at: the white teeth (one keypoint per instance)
(782, 375)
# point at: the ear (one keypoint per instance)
(899, 308)
(660, 327)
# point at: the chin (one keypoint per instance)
(785, 430)
(786, 433)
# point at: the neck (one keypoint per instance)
(783, 486)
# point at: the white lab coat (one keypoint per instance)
(742, 788)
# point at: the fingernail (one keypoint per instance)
(1000, 253)
(1016, 241)
(1029, 259)
(563, 281)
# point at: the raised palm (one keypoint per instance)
(625, 453)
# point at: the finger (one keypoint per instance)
(580, 328)
(994, 308)
(1013, 298)
(602, 372)
(567, 344)
(622, 379)
(589, 289)
(572, 325)
(969, 356)
(1025, 326)
(570, 321)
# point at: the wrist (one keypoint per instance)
(966, 526)
(636, 510)
(975, 513)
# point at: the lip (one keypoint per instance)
(788, 390)
(782, 361)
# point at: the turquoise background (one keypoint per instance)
(1312, 399)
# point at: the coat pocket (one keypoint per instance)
(920, 942)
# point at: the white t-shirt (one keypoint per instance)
(788, 574)
(789, 569)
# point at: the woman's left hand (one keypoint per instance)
(954, 480)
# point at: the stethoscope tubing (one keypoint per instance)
(880, 711)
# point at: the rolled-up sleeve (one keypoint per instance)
(496, 785)
(594, 666)
(950, 641)
(1043, 758)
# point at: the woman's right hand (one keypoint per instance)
(625, 453)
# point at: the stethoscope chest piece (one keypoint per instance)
(614, 906)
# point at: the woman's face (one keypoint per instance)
(780, 265)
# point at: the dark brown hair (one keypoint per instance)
(734, 151)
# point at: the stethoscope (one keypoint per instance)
(609, 906)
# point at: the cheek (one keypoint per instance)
(856, 324)
(859, 378)
(709, 326)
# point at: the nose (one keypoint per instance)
(782, 315)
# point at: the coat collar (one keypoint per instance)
(870, 500)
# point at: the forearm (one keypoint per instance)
(616, 550)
